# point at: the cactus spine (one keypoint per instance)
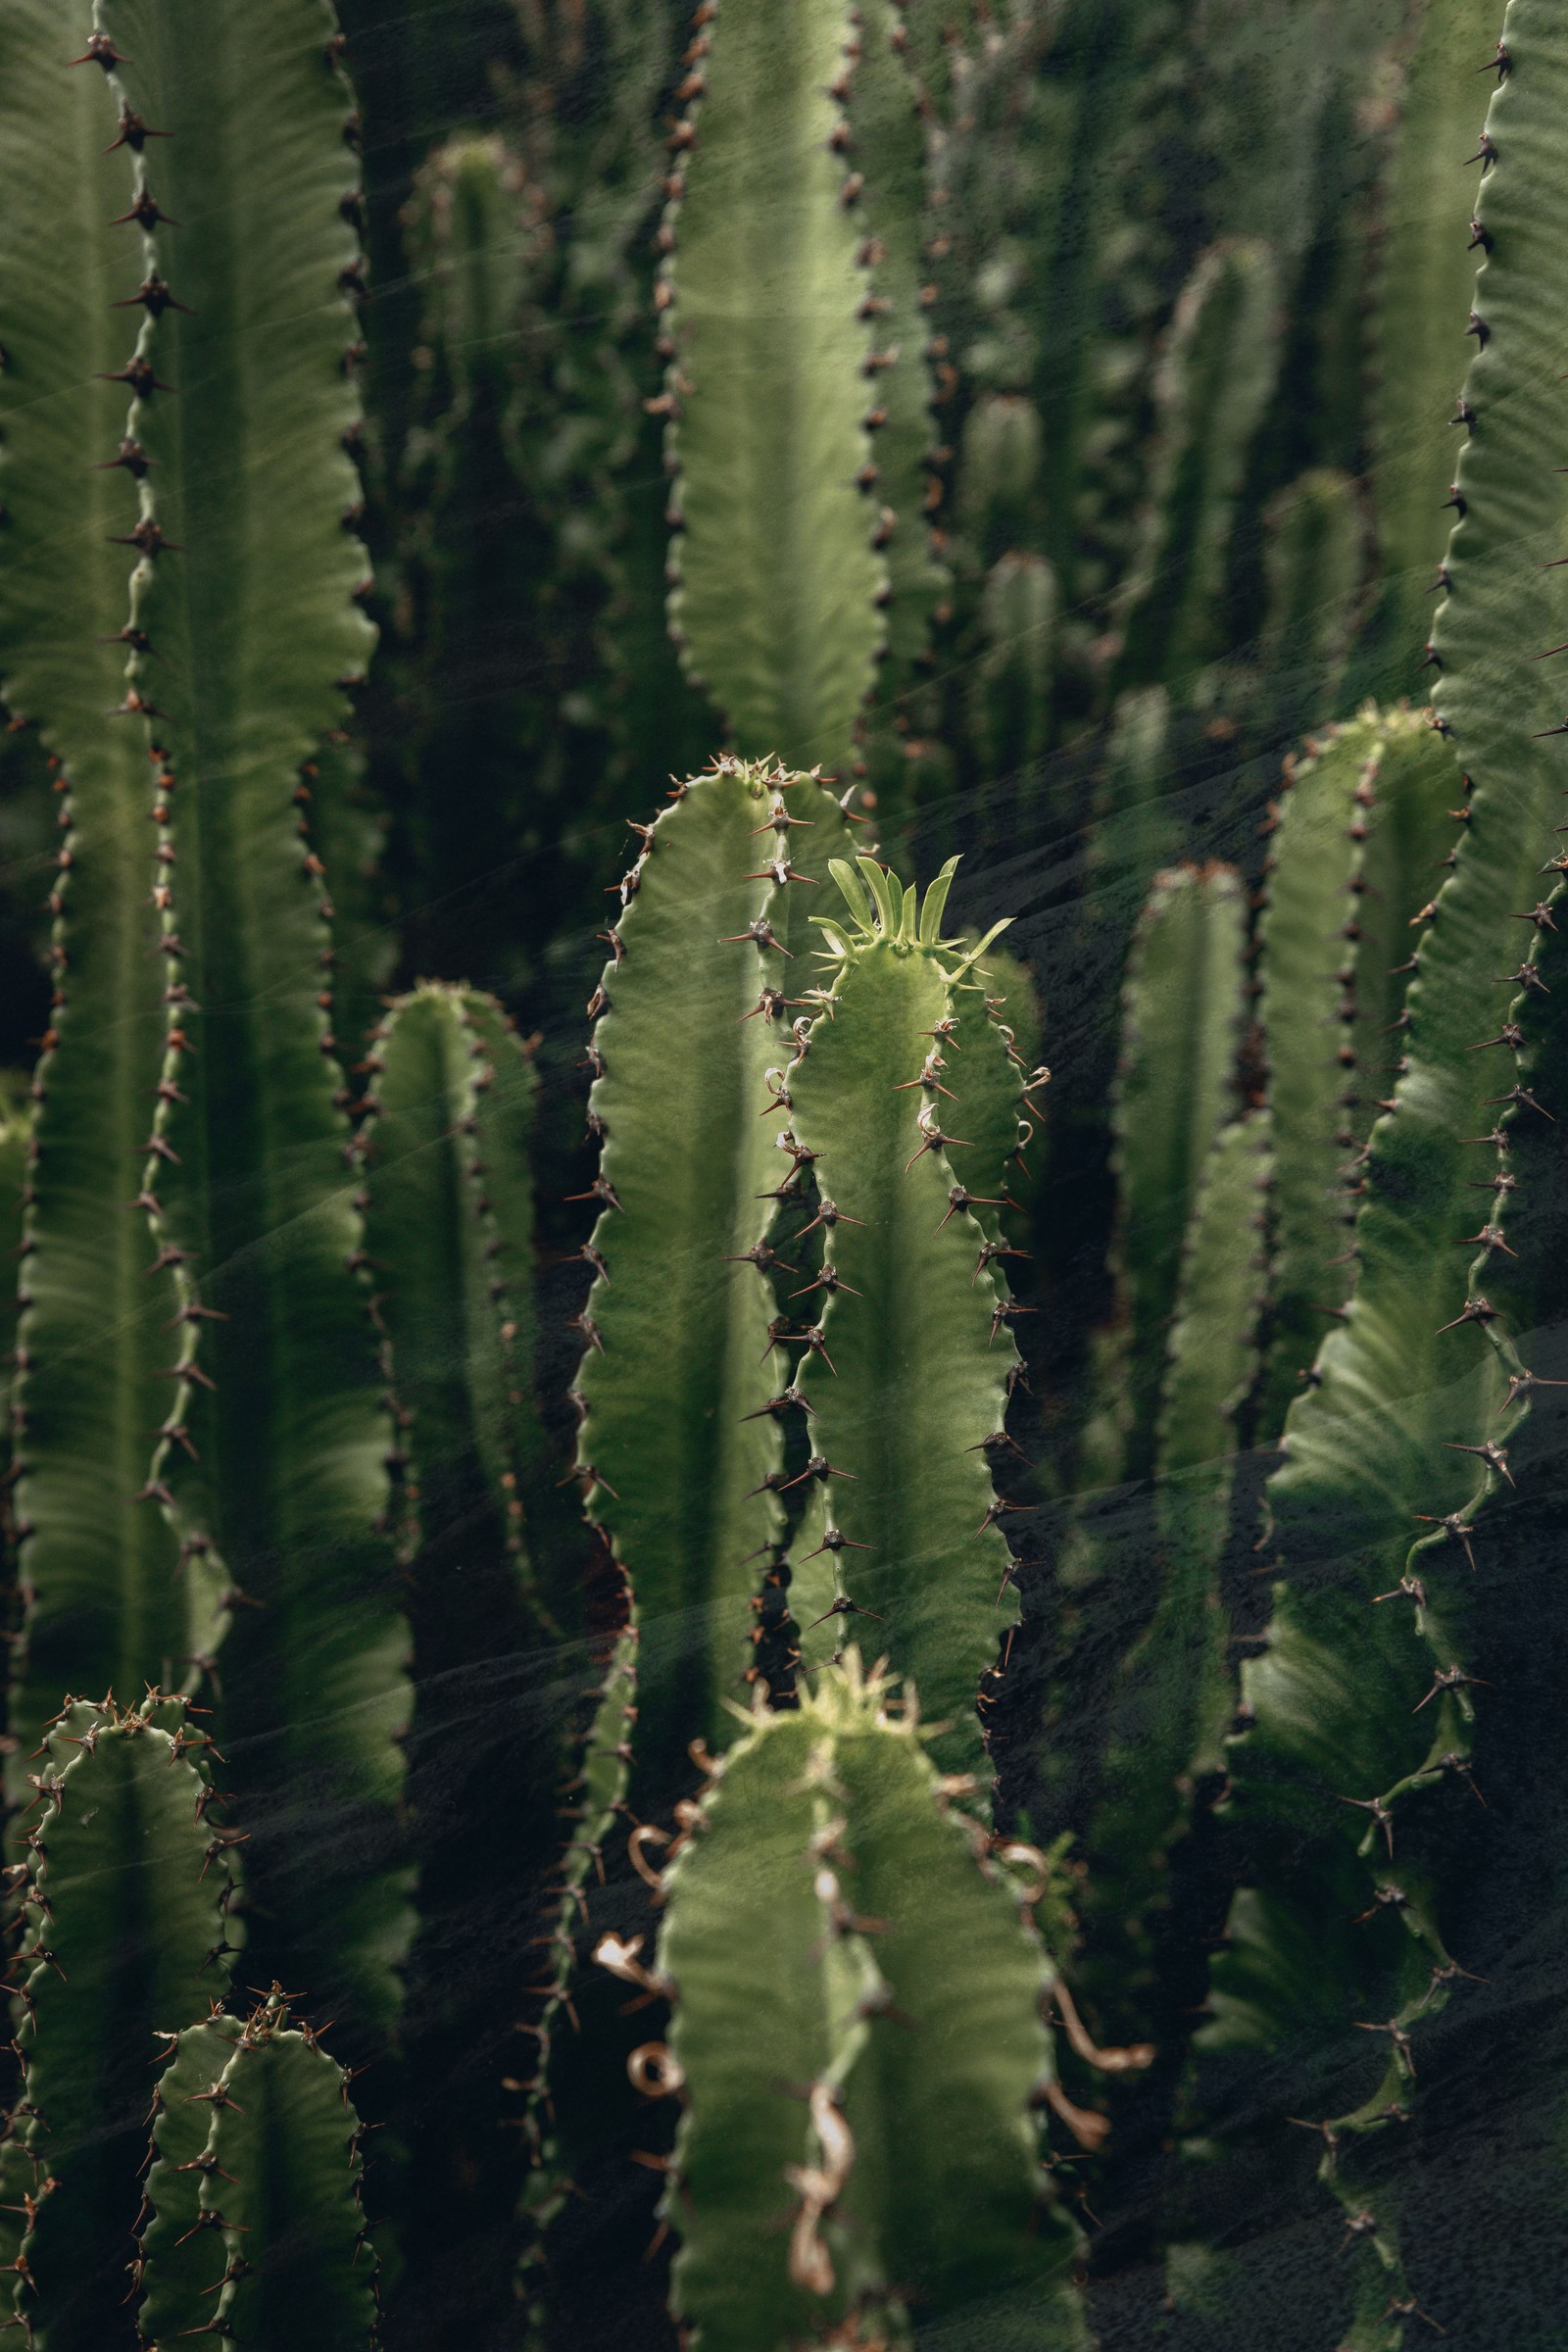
(805, 2093)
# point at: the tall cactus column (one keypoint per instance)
(770, 352)
(1363, 1699)
(225, 239)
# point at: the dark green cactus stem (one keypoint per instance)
(1426, 278)
(767, 389)
(1360, 835)
(348, 832)
(851, 1977)
(273, 1452)
(908, 1354)
(125, 1934)
(1181, 1014)
(449, 1228)
(256, 2231)
(1393, 1454)
(596, 1799)
(1010, 689)
(1313, 565)
(999, 469)
(16, 1166)
(97, 1558)
(1214, 381)
(681, 1446)
(888, 151)
(1178, 1696)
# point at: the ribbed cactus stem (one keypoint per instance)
(908, 1357)
(125, 1934)
(767, 387)
(822, 2048)
(683, 1391)
(256, 2231)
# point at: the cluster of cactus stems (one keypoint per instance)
(275, 1343)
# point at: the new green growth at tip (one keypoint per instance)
(907, 1096)
(125, 1934)
(857, 2043)
(254, 2228)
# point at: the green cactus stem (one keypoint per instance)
(274, 1450)
(1425, 280)
(908, 1354)
(125, 1933)
(449, 1228)
(856, 2138)
(681, 1446)
(1362, 835)
(1215, 379)
(1012, 687)
(1181, 1014)
(1313, 562)
(256, 2231)
(1178, 1696)
(888, 151)
(771, 365)
(1393, 1456)
(97, 1558)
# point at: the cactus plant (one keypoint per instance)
(842, 2071)
(770, 352)
(1353, 1708)
(1181, 1026)
(903, 1376)
(126, 1929)
(681, 1448)
(255, 2230)
(449, 1228)
(269, 1459)
(1215, 378)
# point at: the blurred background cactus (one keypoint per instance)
(857, 1669)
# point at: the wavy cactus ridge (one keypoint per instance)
(1393, 1456)
(908, 1357)
(776, 606)
(125, 1926)
(270, 2203)
(272, 1461)
(780, 1980)
(681, 1440)
(97, 1560)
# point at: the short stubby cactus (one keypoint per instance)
(857, 2043)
